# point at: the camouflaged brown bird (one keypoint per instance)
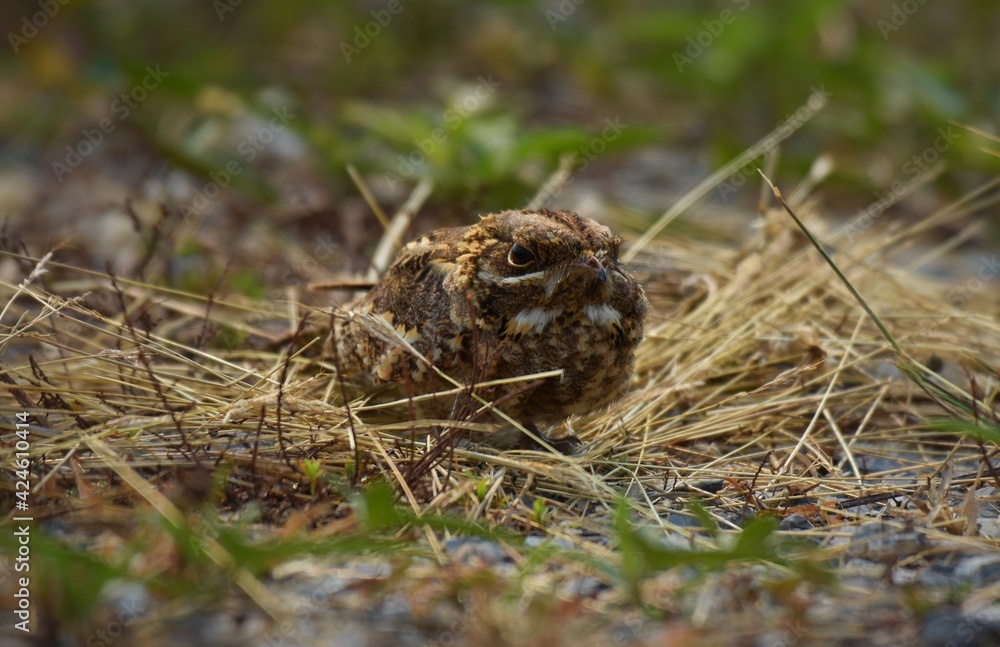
(520, 292)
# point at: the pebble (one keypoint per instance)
(989, 528)
(879, 541)
(946, 627)
(795, 522)
(979, 570)
(936, 575)
(739, 518)
(534, 541)
(475, 551)
(684, 521)
(584, 587)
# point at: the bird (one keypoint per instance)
(518, 293)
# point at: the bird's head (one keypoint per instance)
(539, 265)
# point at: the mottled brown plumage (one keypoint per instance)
(520, 292)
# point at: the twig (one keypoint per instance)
(368, 196)
(867, 500)
(352, 432)
(256, 439)
(206, 321)
(281, 390)
(144, 359)
(554, 184)
(392, 240)
(38, 271)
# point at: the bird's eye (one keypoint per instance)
(520, 255)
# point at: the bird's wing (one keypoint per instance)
(412, 300)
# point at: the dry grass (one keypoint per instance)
(762, 389)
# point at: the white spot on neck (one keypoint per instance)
(603, 315)
(536, 318)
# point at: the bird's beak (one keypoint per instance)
(595, 265)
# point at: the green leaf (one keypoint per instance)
(707, 522)
(375, 507)
(643, 555)
(983, 431)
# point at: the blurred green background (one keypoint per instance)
(486, 98)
